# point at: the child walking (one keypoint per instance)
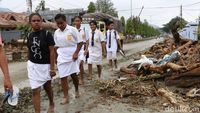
(95, 45)
(41, 61)
(68, 45)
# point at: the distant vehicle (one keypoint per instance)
(190, 31)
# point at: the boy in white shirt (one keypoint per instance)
(112, 41)
(84, 37)
(68, 45)
(95, 45)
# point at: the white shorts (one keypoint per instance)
(38, 74)
(111, 55)
(68, 68)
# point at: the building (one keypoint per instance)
(69, 13)
(190, 31)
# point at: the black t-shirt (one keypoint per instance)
(38, 46)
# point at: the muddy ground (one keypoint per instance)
(92, 99)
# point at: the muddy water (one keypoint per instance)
(90, 100)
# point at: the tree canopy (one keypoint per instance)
(122, 19)
(135, 27)
(91, 7)
(106, 6)
(167, 27)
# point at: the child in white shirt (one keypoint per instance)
(68, 44)
(112, 39)
(95, 46)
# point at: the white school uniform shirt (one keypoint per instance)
(66, 41)
(96, 50)
(114, 39)
(83, 35)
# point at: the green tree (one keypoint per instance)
(25, 29)
(130, 27)
(167, 27)
(106, 6)
(123, 24)
(91, 7)
(135, 27)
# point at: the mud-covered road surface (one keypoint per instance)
(90, 101)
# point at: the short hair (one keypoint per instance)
(33, 14)
(78, 17)
(93, 22)
(110, 22)
(60, 16)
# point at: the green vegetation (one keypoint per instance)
(135, 27)
(91, 8)
(103, 6)
(167, 27)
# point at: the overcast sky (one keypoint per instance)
(157, 12)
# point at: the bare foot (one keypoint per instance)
(64, 101)
(89, 78)
(77, 95)
(81, 82)
(51, 109)
(111, 69)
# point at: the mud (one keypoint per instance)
(91, 100)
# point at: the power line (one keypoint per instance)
(161, 7)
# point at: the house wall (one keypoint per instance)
(7, 36)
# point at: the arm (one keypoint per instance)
(86, 48)
(103, 45)
(52, 61)
(78, 48)
(120, 45)
(79, 44)
(4, 68)
(56, 54)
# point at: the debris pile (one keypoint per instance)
(173, 62)
(179, 65)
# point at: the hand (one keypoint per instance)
(75, 56)
(52, 74)
(85, 52)
(7, 84)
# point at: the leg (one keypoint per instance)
(76, 83)
(114, 56)
(111, 65)
(109, 57)
(49, 91)
(90, 71)
(64, 84)
(99, 68)
(115, 61)
(36, 99)
(81, 73)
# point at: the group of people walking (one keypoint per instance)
(67, 48)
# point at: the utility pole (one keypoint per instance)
(29, 5)
(131, 9)
(181, 15)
